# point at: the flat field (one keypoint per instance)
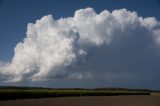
(130, 100)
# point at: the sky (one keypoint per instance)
(93, 57)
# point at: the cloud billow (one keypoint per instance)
(105, 47)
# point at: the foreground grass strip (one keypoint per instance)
(24, 94)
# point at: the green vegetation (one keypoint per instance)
(10, 93)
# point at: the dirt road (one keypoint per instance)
(88, 101)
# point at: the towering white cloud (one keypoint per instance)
(88, 46)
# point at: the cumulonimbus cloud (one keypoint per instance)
(106, 46)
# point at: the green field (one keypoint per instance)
(11, 93)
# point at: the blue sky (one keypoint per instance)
(117, 53)
(16, 14)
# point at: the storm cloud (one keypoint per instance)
(108, 48)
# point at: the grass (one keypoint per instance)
(11, 94)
